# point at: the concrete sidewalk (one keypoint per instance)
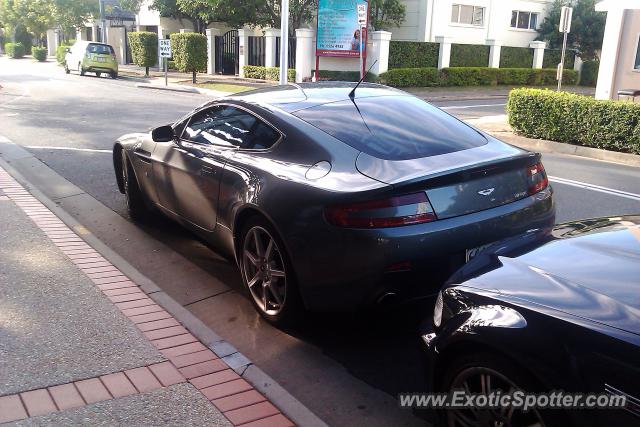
(81, 343)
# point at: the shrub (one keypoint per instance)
(469, 76)
(589, 75)
(189, 52)
(575, 119)
(61, 52)
(552, 58)
(14, 50)
(345, 76)
(404, 77)
(21, 35)
(39, 53)
(516, 57)
(171, 65)
(267, 73)
(469, 55)
(144, 49)
(413, 54)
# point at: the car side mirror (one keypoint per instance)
(163, 134)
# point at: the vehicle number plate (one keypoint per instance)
(101, 59)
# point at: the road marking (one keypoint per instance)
(88, 150)
(598, 188)
(461, 107)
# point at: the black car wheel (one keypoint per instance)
(267, 273)
(133, 195)
(98, 74)
(485, 373)
(113, 74)
(80, 69)
(66, 68)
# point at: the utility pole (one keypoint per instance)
(565, 27)
(284, 41)
(103, 30)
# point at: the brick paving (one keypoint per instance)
(188, 359)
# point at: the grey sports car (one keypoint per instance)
(334, 199)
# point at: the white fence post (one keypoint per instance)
(211, 49)
(304, 53)
(270, 38)
(444, 56)
(495, 48)
(538, 53)
(379, 51)
(243, 47)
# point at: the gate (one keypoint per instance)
(227, 53)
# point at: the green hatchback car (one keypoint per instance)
(85, 56)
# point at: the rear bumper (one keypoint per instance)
(100, 67)
(344, 269)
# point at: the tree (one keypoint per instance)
(189, 52)
(71, 15)
(144, 49)
(264, 13)
(384, 14)
(587, 28)
(199, 12)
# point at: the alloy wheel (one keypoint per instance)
(485, 380)
(263, 270)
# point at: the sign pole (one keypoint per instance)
(284, 42)
(564, 27)
(166, 71)
(360, 47)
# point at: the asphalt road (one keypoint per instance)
(347, 369)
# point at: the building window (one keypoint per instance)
(636, 64)
(465, 14)
(524, 20)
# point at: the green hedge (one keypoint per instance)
(345, 76)
(267, 73)
(61, 52)
(21, 35)
(39, 53)
(14, 50)
(144, 49)
(189, 52)
(589, 73)
(516, 57)
(469, 55)
(413, 54)
(474, 76)
(552, 58)
(575, 119)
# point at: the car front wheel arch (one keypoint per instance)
(117, 166)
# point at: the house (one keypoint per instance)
(620, 57)
(509, 22)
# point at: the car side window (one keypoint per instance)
(230, 126)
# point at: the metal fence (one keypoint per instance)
(256, 51)
(292, 52)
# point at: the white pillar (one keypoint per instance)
(211, 49)
(444, 57)
(378, 51)
(115, 37)
(186, 30)
(304, 53)
(52, 42)
(609, 57)
(94, 32)
(243, 54)
(495, 47)
(270, 42)
(538, 53)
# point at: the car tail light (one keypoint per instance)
(113, 56)
(391, 212)
(537, 178)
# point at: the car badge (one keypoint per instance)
(486, 192)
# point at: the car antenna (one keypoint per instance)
(353, 91)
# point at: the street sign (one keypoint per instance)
(362, 14)
(565, 19)
(165, 48)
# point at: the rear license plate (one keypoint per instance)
(472, 253)
(101, 59)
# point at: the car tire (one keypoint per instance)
(98, 74)
(264, 261)
(66, 68)
(114, 75)
(468, 369)
(136, 205)
(80, 69)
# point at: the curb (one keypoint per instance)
(503, 132)
(184, 89)
(261, 381)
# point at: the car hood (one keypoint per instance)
(589, 269)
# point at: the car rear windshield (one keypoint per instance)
(100, 49)
(393, 127)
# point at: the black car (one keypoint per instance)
(554, 309)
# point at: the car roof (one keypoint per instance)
(294, 97)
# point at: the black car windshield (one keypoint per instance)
(393, 127)
(100, 49)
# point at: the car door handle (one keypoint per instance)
(207, 171)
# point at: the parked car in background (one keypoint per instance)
(93, 57)
(331, 199)
(552, 309)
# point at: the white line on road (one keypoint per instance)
(461, 107)
(592, 187)
(88, 150)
